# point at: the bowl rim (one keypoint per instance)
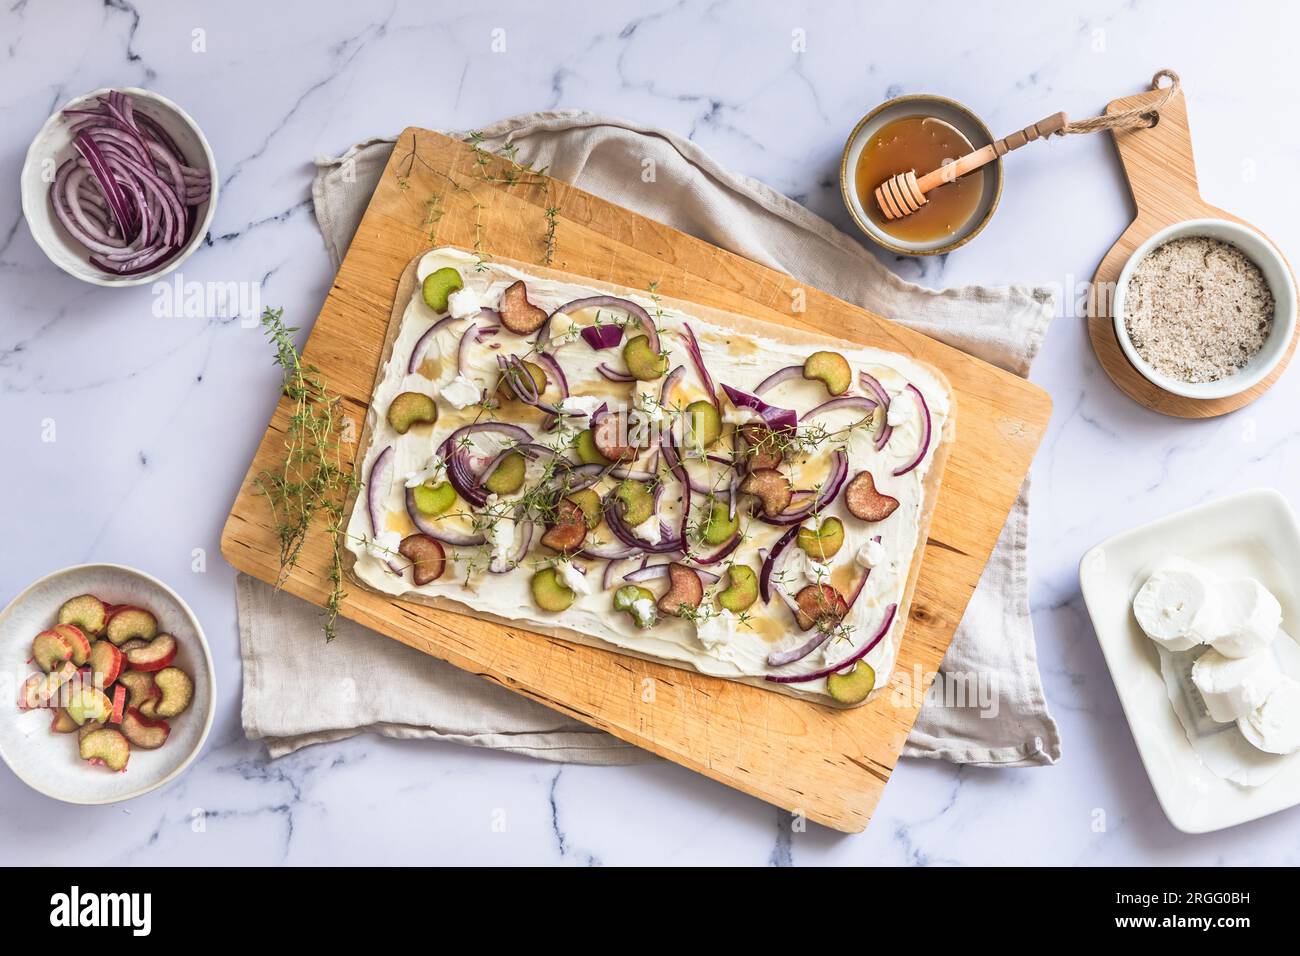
(31, 162)
(1229, 385)
(207, 658)
(869, 229)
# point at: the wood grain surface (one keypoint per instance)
(829, 765)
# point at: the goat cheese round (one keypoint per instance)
(1177, 606)
(460, 392)
(1274, 726)
(716, 631)
(1234, 686)
(573, 579)
(1248, 618)
(384, 545)
(463, 303)
(649, 530)
(870, 554)
(643, 609)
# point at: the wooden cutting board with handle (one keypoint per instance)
(828, 765)
(1161, 175)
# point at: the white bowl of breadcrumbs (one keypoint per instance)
(1205, 308)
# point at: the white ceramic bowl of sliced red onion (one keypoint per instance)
(119, 187)
(1276, 273)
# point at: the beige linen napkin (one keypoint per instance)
(994, 713)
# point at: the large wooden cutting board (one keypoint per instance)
(829, 765)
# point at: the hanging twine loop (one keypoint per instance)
(1135, 117)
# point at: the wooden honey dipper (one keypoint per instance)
(904, 193)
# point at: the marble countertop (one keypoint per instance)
(158, 418)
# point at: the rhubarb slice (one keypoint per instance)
(154, 656)
(438, 286)
(517, 313)
(638, 501)
(85, 611)
(87, 703)
(865, 502)
(106, 662)
(643, 362)
(77, 640)
(854, 686)
(721, 525)
(131, 622)
(742, 589)
(142, 732)
(825, 542)
(704, 425)
(820, 605)
(62, 722)
(142, 692)
(771, 488)
(549, 591)
(119, 704)
(569, 529)
(177, 691)
(50, 649)
(685, 591)
(428, 559)
(107, 747)
(831, 369)
(588, 453)
(411, 408)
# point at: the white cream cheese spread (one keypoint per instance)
(712, 639)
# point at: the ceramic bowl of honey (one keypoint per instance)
(920, 132)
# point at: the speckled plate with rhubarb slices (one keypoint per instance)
(670, 482)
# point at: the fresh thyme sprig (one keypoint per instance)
(313, 481)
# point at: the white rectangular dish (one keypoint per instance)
(1252, 534)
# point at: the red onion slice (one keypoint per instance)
(606, 302)
(848, 401)
(614, 375)
(609, 551)
(851, 659)
(601, 337)
(674, 464)
(446, 535)
(421, 348)
(472, 334)
(671, 382)
(613, 568)
(770, 562)
(862, 581)
(781, 658)
(553, 371)
(456, 455)
(723, 550)
(652, 571)
(697, 359)
(872, 384)
(633, 474)
(778, 377)
(925, 432)
(624, 533)
(778, 419)
(381, 478)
